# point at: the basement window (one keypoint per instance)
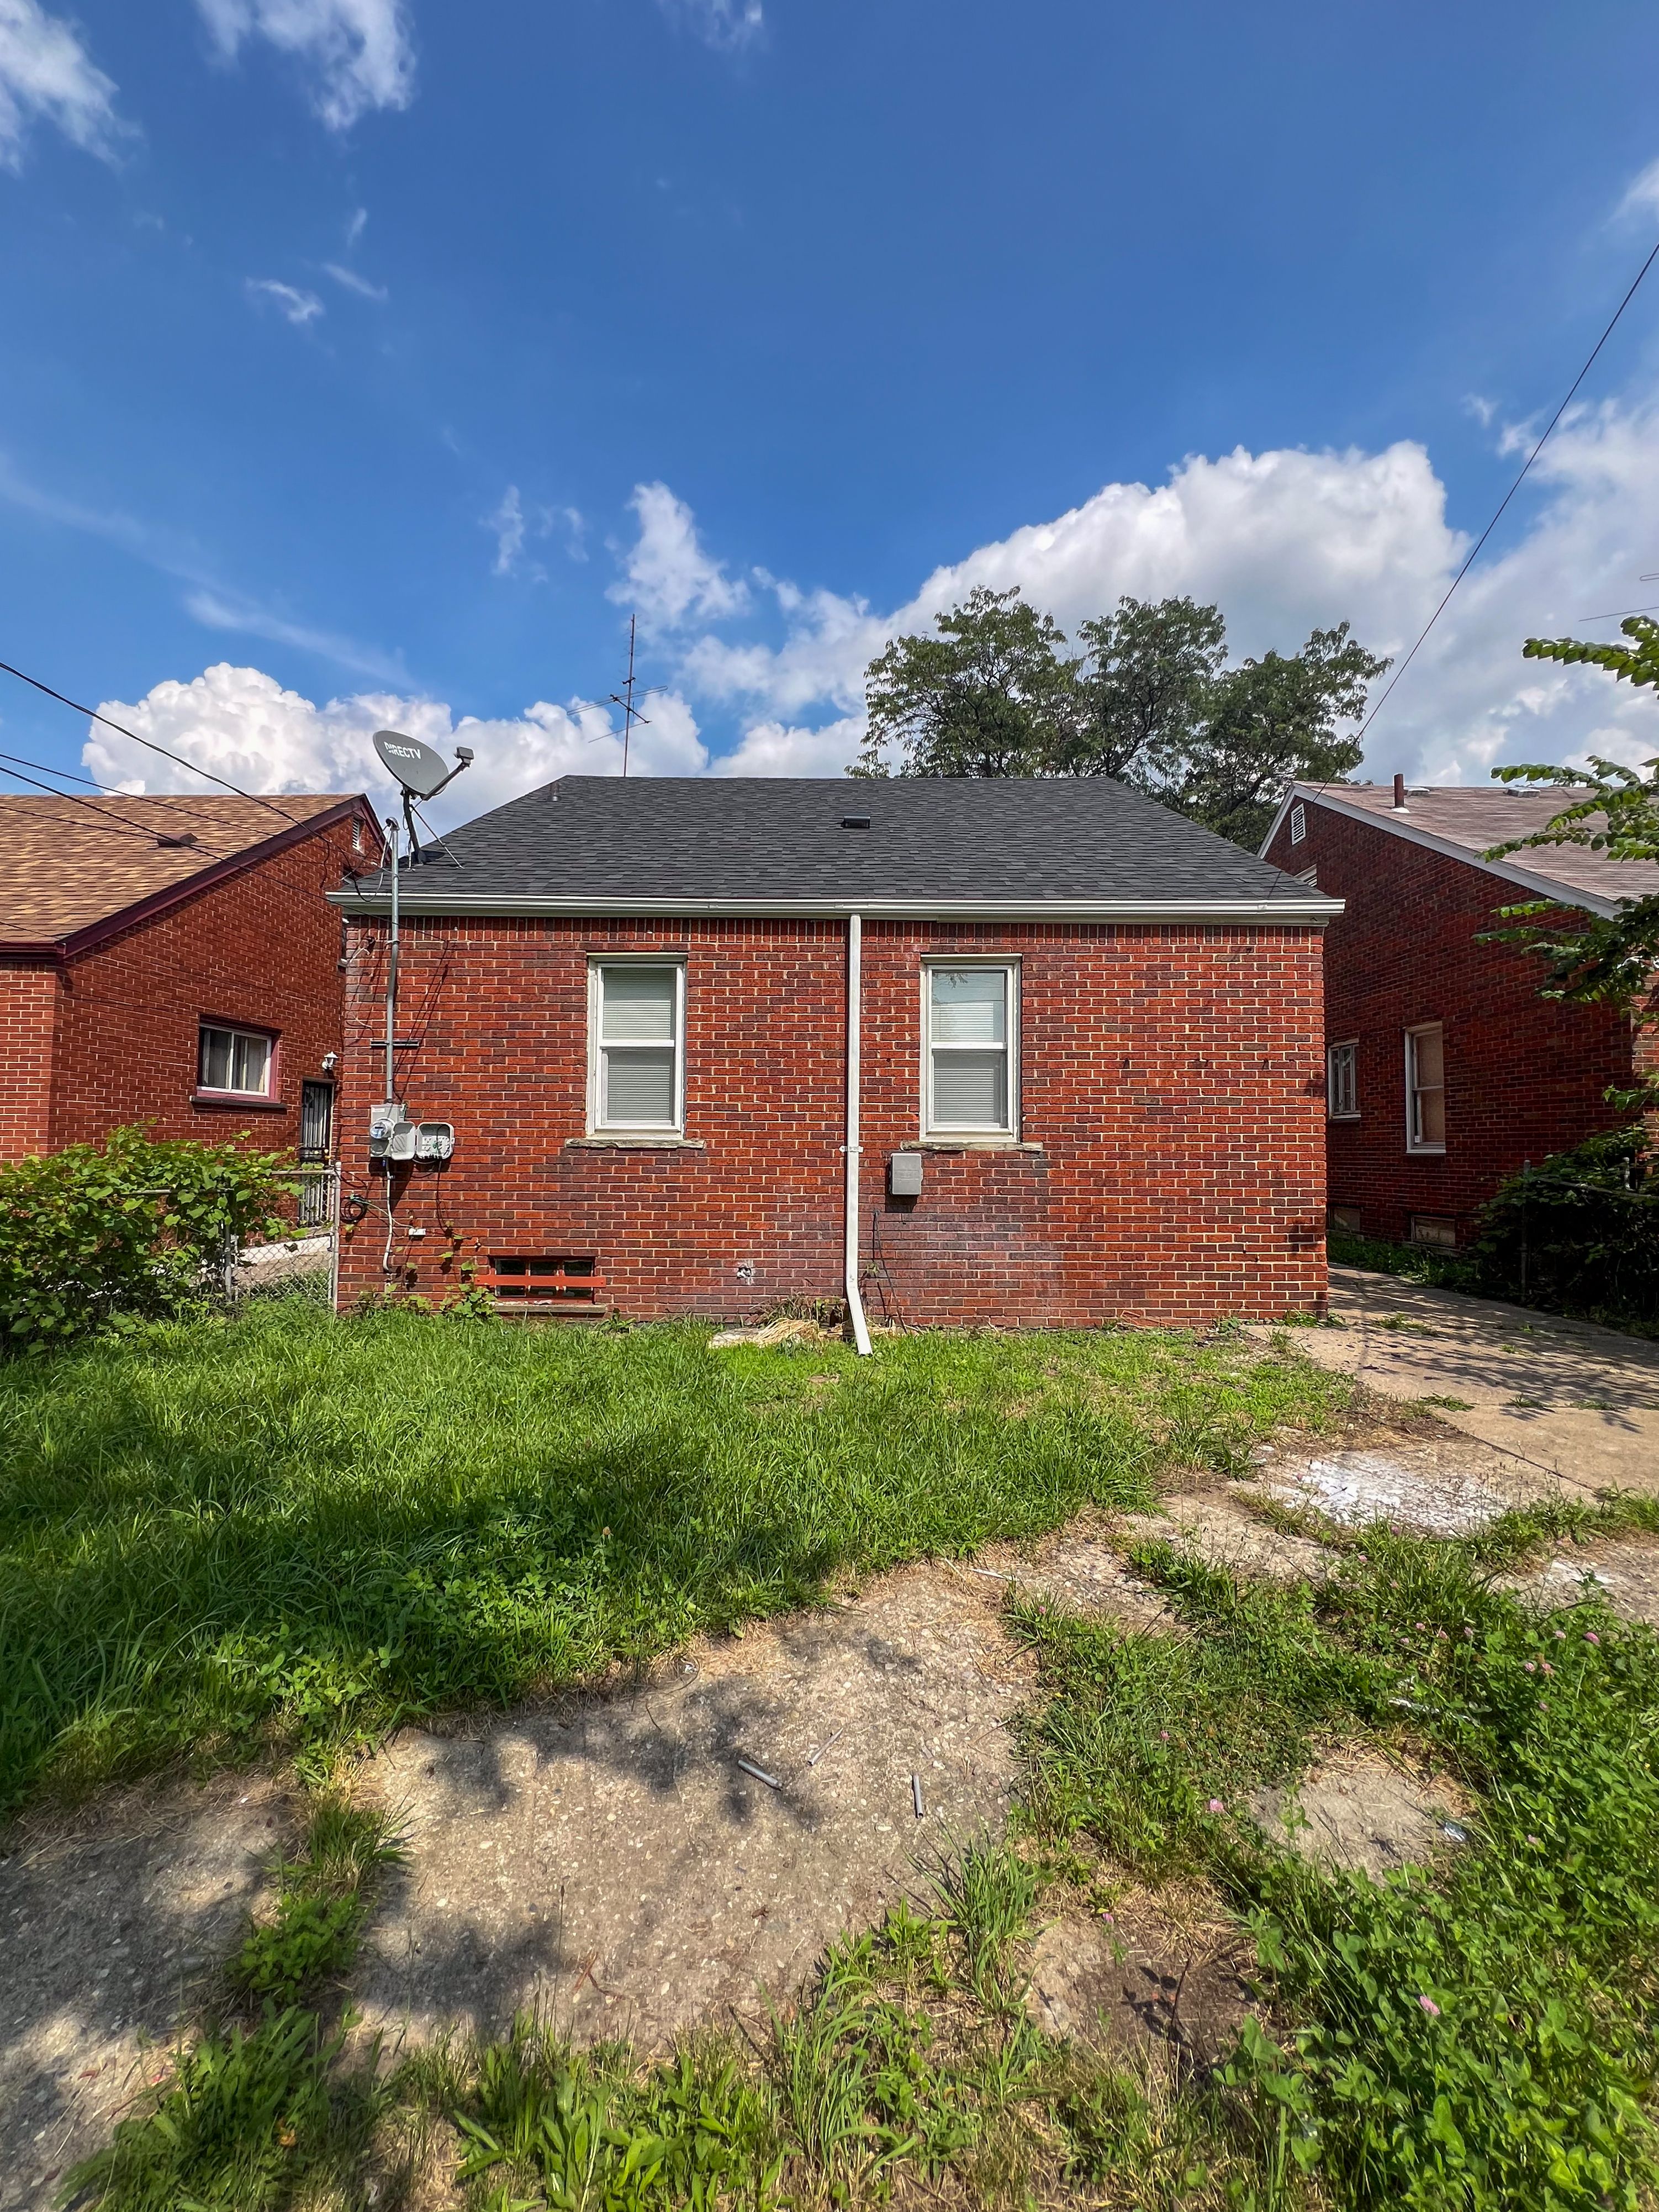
(970, 1026)
(1434, 1229)
(236, 1062)
(1347, 1220)
(636, 1056)
(561, 1278)
(1425, 1089)
(1342, 1081)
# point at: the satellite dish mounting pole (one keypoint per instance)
(625, 698)
(392, 970)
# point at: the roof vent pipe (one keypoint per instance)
(1400, 791)
(855, 1026)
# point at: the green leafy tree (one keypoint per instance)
(1148, 673)
(1270, 723)
(130, 1229)
(997, 692)
(1613, 809)
(993, 693)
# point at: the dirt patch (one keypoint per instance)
(1145, 1975)
(1220, 1526)
(1359, 1811)
(637, 1863)
(114, 1923)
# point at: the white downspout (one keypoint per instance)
(854, 1028)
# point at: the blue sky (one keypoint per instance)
(369, 360)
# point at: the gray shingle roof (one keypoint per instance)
(597, 842)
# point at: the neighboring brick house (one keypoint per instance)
(1085, 1042)
(175, 961)
(1447, 1069)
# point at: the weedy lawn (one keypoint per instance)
(1472, 2037)
(290, 1528)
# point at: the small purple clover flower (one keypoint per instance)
(1532, 1666)
(1591, 1636)
(1560, 1635)
(1215, 1805)
(1429, 2007)
(1536, 1842)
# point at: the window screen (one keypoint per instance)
(1425, 1089)
(234, 1060)
(969, 1061)
(637, 1074)
(1342, 1082)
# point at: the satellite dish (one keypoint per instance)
(412, 764)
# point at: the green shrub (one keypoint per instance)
(1581, 1230)
(129, 1229)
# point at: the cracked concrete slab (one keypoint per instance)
(1577, 1402)
(115, 1922)
(1622, 1572)
(638, 1862)
(1361, 1812)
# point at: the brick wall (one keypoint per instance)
(28, 1032)
(1525, 1075)
(1171, 1079)
(118, 1023)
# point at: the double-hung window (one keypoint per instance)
(234, 1060)
(636, 1027)
(1342, 1082)
(970, 1028)
(1425, 1089)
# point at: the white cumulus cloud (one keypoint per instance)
(1284, 542)
(244, 726)
(506, 524)
(358, 53)
(295, 306)
(667, 576)
(45, 73)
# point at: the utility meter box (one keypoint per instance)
(904, 1175)
(400, 1145)
(383, 1118)
(435, 1140)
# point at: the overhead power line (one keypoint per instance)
(1474, 551)
(178, 759)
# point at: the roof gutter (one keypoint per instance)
(1312, 911)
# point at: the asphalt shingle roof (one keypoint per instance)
(1472, 820)
(66, 863)
(590, 840)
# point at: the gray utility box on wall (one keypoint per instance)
(904, 1175)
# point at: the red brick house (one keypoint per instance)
(1446, 1068)
(980, 1052)
(173, 961)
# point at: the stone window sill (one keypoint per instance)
(635, 1145)
(968, 1144)
(242, 1102)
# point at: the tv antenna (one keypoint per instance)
(625, 698)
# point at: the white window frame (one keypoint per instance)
(597, 1126)
(238, 1033)
(1298, 824)
(1333, 1111)
(1414, 1142)
(1007, 1131)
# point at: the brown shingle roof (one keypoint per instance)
(65, 864)
(1470, 822)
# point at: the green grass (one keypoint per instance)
(291, 1525)
(1470, 2037)
(1477, 2036)
(323, 1895)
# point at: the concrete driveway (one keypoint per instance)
(1579, 1402)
